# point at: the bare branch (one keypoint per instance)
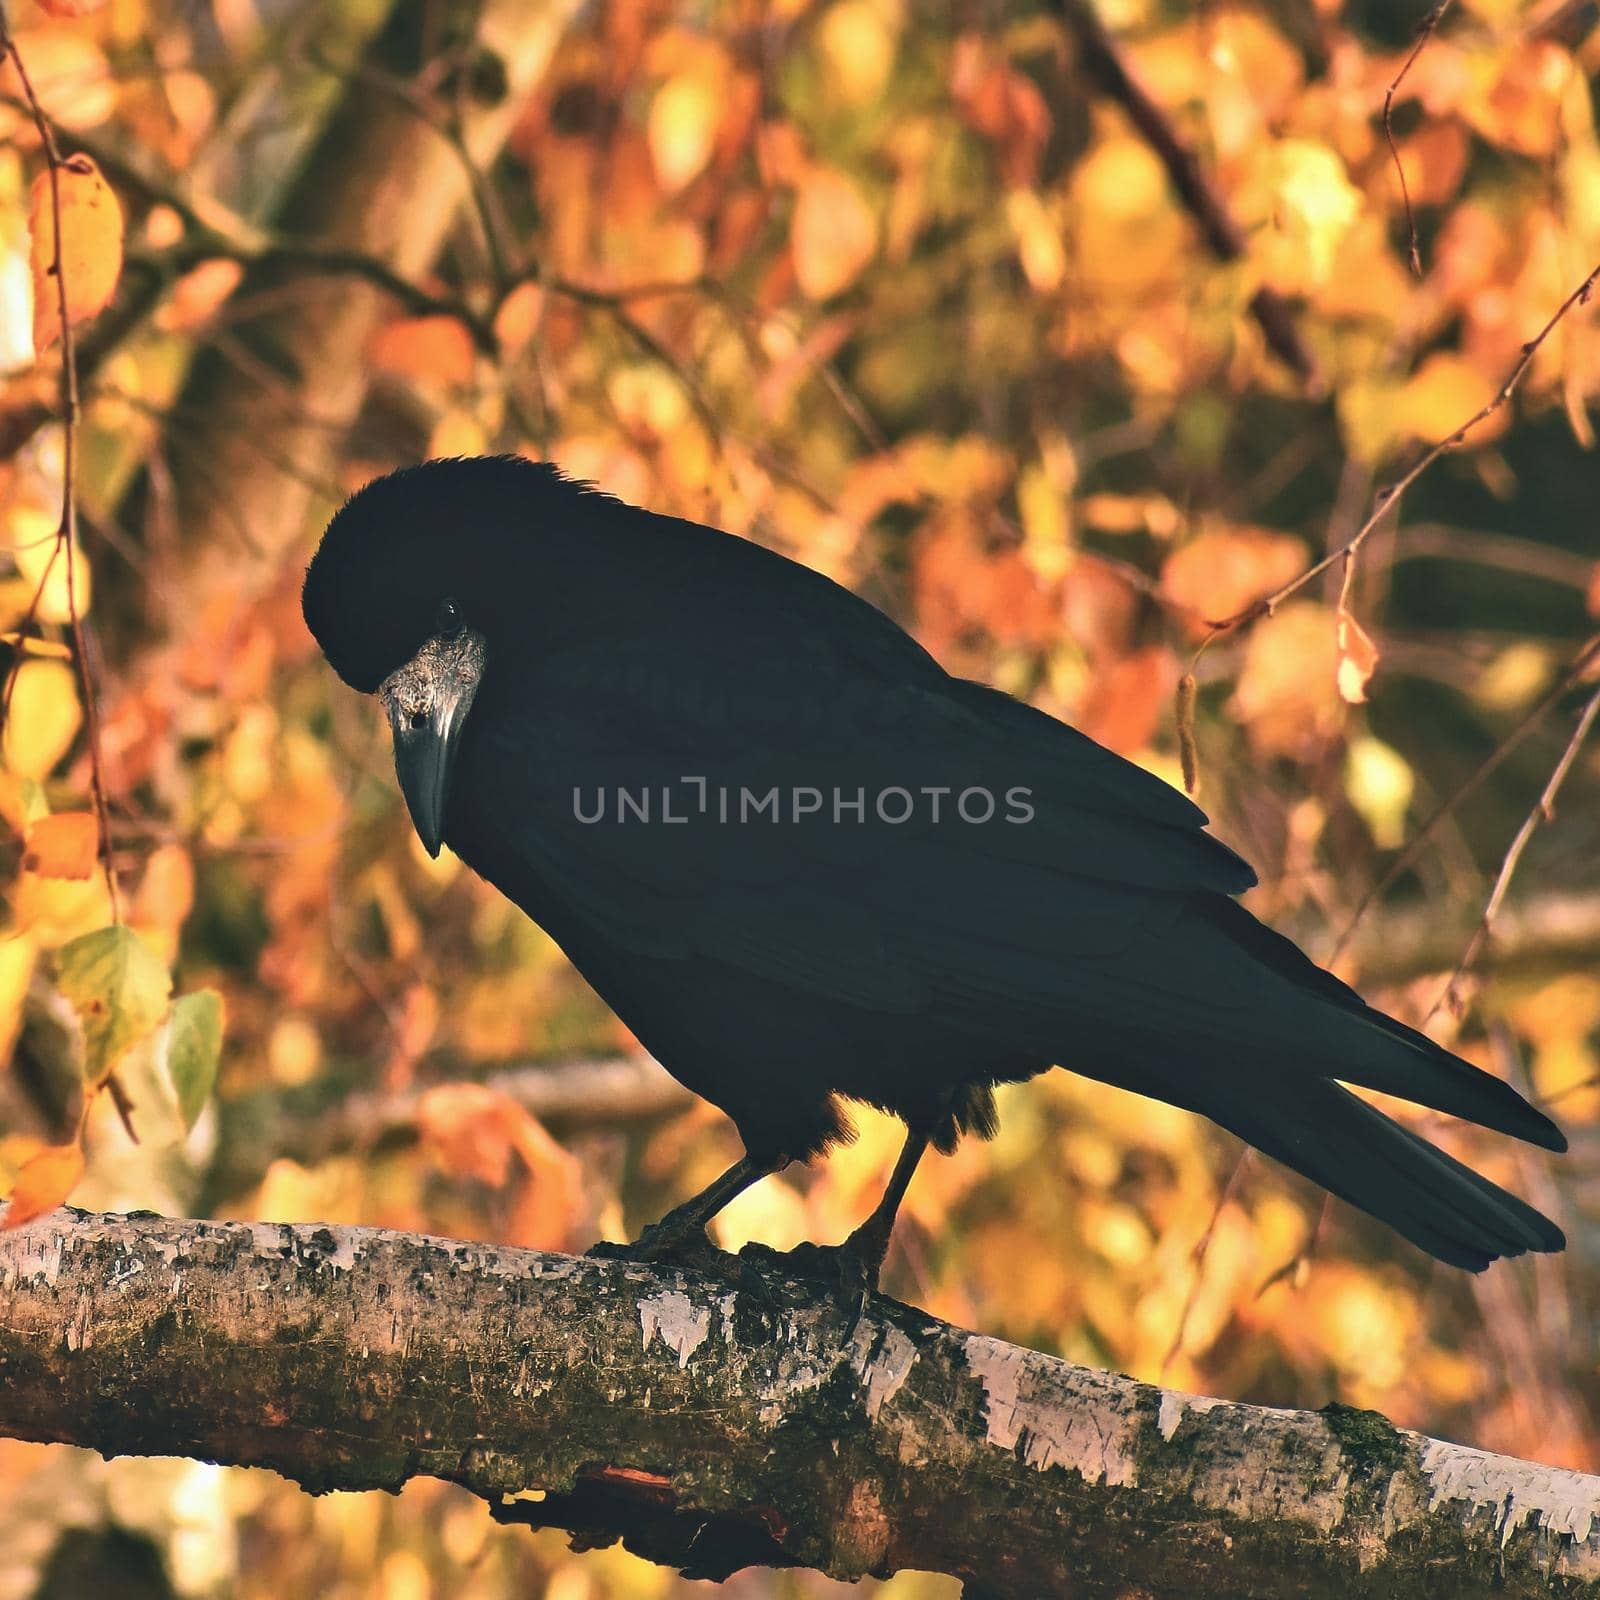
(1425, 32)
(1218, 226)
(1543, 811)
(67, 532)
(713, 1427)
(1414, 846)
(1389, 497)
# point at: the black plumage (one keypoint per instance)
(586, 648)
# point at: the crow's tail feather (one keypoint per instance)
(1321, 1130)
(1359, 1044)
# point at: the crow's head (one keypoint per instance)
(427, 576)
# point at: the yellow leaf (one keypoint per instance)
(17, 955)
(55, 910)
(858, 39)
(39, 649)
(457, 433)
(1286, 696)
(1047, 529)
(43, 1183)
(833, 233)
(1441, 395)
(1039, 247)
(682, 129)
(1380, 783)
(1515, 675)
(69, 73)
(66, 845)
(166, 892)
(1315, 205)
(1358, 655)
(91, 246)
(42, 564)
(43, 718)
(519, 316)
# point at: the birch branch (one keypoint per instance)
(711, 1427)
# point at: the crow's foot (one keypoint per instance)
(667, 1245)
(849, 1270)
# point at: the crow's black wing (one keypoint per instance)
(1096, 931)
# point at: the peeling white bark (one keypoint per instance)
(710, 1431)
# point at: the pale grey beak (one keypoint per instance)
(427, 701)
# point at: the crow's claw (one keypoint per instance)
(692, 1248)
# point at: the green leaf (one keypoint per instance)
(194, 1047)
(119, 988)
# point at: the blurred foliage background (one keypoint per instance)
(906, 292)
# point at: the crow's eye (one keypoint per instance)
(450, 621)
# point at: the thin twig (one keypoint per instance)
(1218, 226)
(1197, 1259)
(1425, 32)
(1389, 496)
(67, 533)
(1543, 811)
(1581, 663)
(1305, 1255)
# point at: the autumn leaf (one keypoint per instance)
(474, 1131)
(43, 1183)
(1286, 695)
(69, 73)
(26, 644)
(91, 247)
(858, 40)
(119, 989)
(435, 350)
(1358, 655)
(42, 719)
(194, 1049)
(833, 233)
(1127, 699)
(471, 1130)
(58, 576)
(63, 846)
(682, 129)
(1223, 570)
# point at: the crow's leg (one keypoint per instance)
(869, 1244)
(681, 1234)
(856, 1264)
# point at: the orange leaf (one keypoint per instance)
(45, 1180)
(432, 350)
(1127, 699)
(1358, 655)
(474, 1131)
(1223, 570)
(519, 316)
(64, 846)
(833, 233)
(91, 247)
(471, 1130)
